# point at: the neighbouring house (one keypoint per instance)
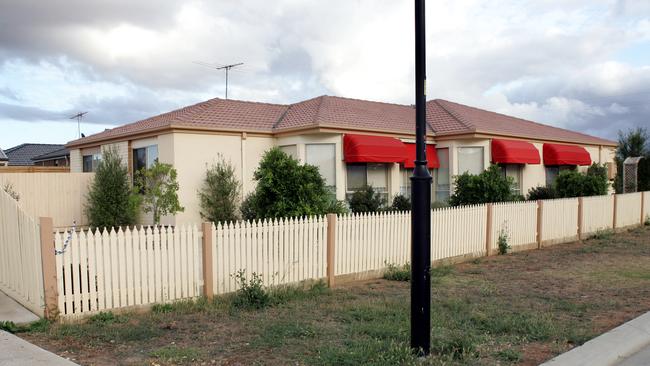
(38, 155)
(353, 142)
(4, 160)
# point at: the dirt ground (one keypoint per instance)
(521, 308)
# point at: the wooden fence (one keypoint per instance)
(126, 268)
(21, 275)
(109, 270)
(61, 196)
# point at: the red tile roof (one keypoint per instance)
(443, 118)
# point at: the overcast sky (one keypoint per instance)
(578, 64)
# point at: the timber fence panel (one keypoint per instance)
(560, 221)
(646, 206)
(458, 231)
(281, 251)
(597, 213)
(106, 270)
(21, 274)
(628, 209)
(61, 196)
(369, 241)
(517, 220)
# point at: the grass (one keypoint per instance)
(522, 308)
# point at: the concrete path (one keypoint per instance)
(626, 345)
(15, 351)
(12, 311)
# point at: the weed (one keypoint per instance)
(176, 355)
(8, 326)
(476, 260)
(162, 308)
(509, 355)
(647, 220)
(455, 344)
(602, 234)
(365, 351)
(398, 273)
(503, 240)
(107, 317)
(39, 326)
(251, 293)
(282, 332)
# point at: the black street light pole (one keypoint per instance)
(421, 204)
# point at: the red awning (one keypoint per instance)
(432, 157)
(373, 149)
(555, 154)
(514, 152)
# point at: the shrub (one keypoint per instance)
(541, 193)
(338, 207)
(9, 189)
(159, 190)
(247, 208)
(571, 183)
(251, 293)
(286, 188)
(111, 200)
(366, 199)
(401, 203)
(220, 193)
(489, 186)
(398, 273)
(439, 204)
(502, 241)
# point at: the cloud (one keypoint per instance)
(571, 63)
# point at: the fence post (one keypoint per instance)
(331, 247)
(488, 230)
(614, 216)
(580, 216)
(540, 219)
(208, 288)
(48, 263)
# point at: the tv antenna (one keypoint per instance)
(220, 67)
(78, 117)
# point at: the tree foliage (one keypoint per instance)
(111, 201)
(489, 186)
(159, 190)
(286, 188)
(633, 143)
(571, 183)
(541, 193)
(366, 199)
(220, 194)
(401, 203)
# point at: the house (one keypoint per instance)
(353, 142)
(4, 160)
(38, 154)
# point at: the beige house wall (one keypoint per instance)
(76, 161)
(122, 148)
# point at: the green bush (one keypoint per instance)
(401, 203)
(366, 199)
(541, 193)
(286, 188)
(439, 204)
(398, 273)
(251, 293)
(220, 193)
(338, 207)
(489, 186)
(111, 200)
(571, 183)
(159, 190)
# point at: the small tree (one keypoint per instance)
(220, 193)
(489, 186)
(633, 143)
(111, 199)
(286, 188)
(159, 190)
(366, 199)
(401, 203)
(571, 183)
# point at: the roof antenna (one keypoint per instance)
(220, 67)
(79, 116)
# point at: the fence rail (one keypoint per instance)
(21, 275)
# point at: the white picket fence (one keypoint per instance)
(560, 220)
(458, 231)
(281, 251)
(21, 275)
(109, 270)
(628, 209)
(518, 221)
(598, 214)
(646, 206)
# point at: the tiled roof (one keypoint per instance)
(3, 157)
(56, 154)
(23, 154)
(443, 118)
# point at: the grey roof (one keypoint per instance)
(24, 153)
(56, 154)
(3, 157)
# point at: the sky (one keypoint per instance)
(577, 64)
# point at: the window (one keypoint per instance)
(442, 177)
(553, 171)
(513, 171)
(90, 162)
(470, 160)
(145, 157)
(371, 174)
(405, 182)
(291, 150)
(324, 157)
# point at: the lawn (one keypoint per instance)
(522, 308)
